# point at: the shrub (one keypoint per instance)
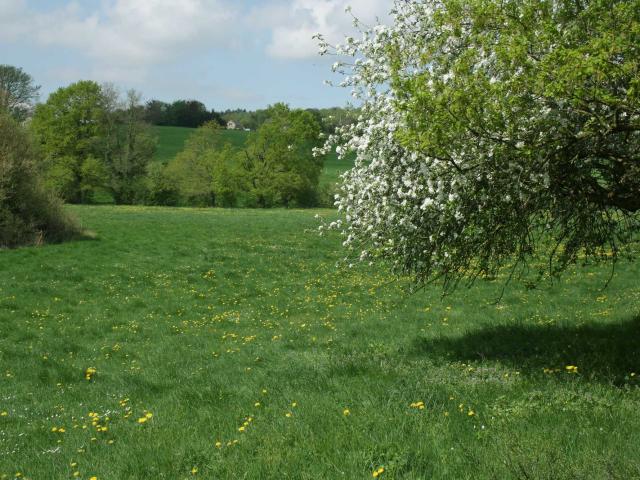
(29, 213)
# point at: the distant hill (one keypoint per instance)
(171, 140)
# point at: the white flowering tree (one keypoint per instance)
(492, 132)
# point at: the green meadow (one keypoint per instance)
(214, 344)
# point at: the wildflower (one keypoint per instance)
(218, 444)
(194, 470)
(257, 404)
(76, 474)
(346, 412)
(418, 405)
(4, 414)
(378, 472)
(471, 413)
(288, 414)
(571, 369)
(294, 404)
(142, 419)
(89, 373)
(93, 478)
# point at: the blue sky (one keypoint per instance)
(226, 53)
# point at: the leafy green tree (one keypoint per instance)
(191, 170)
(279, 166)
(17, 92)
(29, 213)
(128, 149)
(491, 132)
(92, 141)
(70, 128)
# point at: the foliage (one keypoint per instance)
(129, 147)
(181, 113)
(198, 315)
(279, 167)
(275, 167)
(17, 92)
(328, 118)
(491, 131)
(92, 141)
(191, 171)
(28, 213)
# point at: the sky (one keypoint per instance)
(226, 53)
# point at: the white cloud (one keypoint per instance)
(123, 36)
(293, 24)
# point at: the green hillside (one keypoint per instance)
(171, 140)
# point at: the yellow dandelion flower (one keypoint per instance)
(346, 412)
(257, 404)
(142, 419)
(571, 369)
(218, 444)
(93, 478)
(148, 415)
(194, 470)
(241, 429)
(4, 414)
(471, 413)
(378, 472)
(288, 414)
(76, 474)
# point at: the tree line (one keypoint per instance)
(194, 113)
(91, 144)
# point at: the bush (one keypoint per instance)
(29, 214)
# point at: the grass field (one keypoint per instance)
(171, 141)
(185, 343)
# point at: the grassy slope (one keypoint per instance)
(171, 141)
(206, 318)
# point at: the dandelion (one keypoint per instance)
(218, 444)
(418, 405)
(571, 369)
(378, 472)
(142, 420)
(346, 412)
(93, 478)
(471, 413)
(194, 470)
(288, 414)
(4, 414)
(89, 373)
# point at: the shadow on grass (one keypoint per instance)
(607, 353)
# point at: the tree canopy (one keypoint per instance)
(18, 92)
(93, 141)
(492, 132)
